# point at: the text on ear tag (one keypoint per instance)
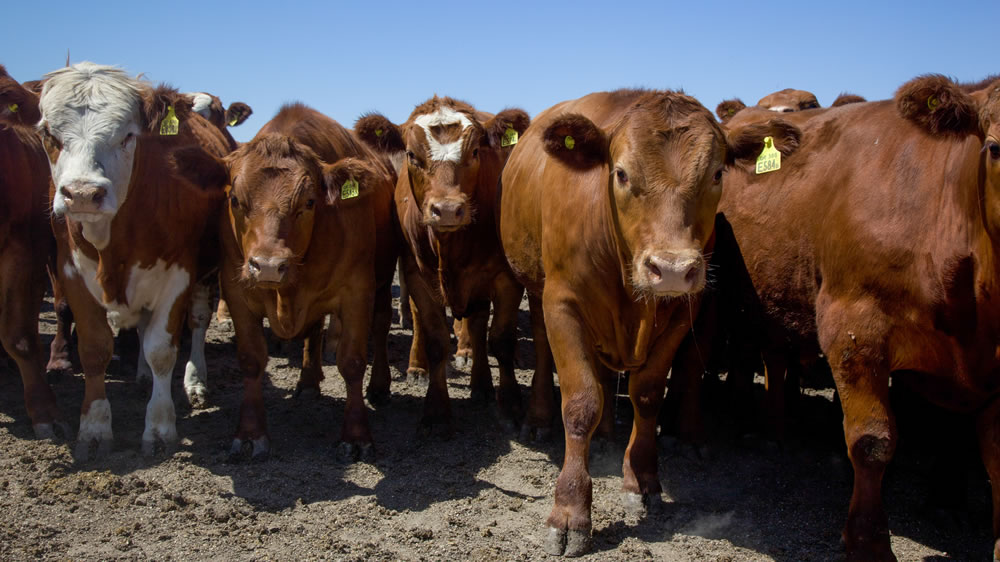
(349, 190)
(569, 142)
(769, 159)
(170, 124)
(509, 137)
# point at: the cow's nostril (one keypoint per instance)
(653, 269)
(692, 274)
(67, 194)
(436, 210)
(460, 212)
(253, 266)
(98, 197)
(283, 268)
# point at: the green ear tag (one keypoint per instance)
(933, 103)
(349, 190)
(509, 137)
(569, 142)
(769, 159)
(13, 107)
(170, 123)
(378, 132)
(232, 122)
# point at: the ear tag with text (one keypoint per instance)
(509, 137)
(349, 190)
(569, 142)
(769, 159)
(13, 107)
(170, 123)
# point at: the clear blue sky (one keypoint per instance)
(347, 58)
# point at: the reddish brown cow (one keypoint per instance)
(17, 104)
(309, 233)
(885, 260)
(446, 201)
(607, 207)
(130, 222)
(783, 101)
(210, 107)
(25, 246)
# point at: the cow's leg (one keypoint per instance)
(430, 323)
(251, 351)
(159, 347)
(474, 329)
(569, 523)
(852, 336)
(312, 361)
(775, 369)
(95, 343)
(465, 347)
(503, 341)
(378, 385)
(196, 370)
(59, 360)
(417, 371)
(541, 405)
(21, 292)
(988, 429)
(333, 330)
(355, 436)
(405, 314)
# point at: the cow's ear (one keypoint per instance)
(237, 113)
(726, 109)
(379, 133)
(845, 99)
(200, 168)
(349, 180)
(937, 105)
(164, 110)
(576, 141)
(504, 129)
(747, 141)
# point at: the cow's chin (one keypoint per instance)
(646, 289)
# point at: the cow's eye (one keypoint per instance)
(234, 202)
(994, 149)
(310, 203)
(718, 176)
(621, 175)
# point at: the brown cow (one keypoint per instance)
(17, 104)
(210, 107)
(309, 233)
(446, 200)
(884, 259)
(25, 246)
(135, 259)
(783, 101)
(607, 207)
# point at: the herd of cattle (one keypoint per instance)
(866, 233)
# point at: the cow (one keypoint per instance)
(783, 101)
(727, 108)
(130, 219)
(17, 104)
(445, 200)
(876, 245)
(25, 246)
(309, 231)
(607, 209)
(210, 107)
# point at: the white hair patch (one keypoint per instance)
(451, 152)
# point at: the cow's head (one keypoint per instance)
(727, 108)
(664, 162)
(91, 120)
(277, 188)
(18, 104)
(788, 100)
(210, 107)
(847, 99)
(445, 142)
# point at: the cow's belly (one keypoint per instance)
(148, 289)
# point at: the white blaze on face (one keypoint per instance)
(93, 111)
(782, 108)
(451, 152)
(202, 103)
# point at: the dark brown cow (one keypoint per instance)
(130, 222)
(25, 246)
(17, 104)
(446, 201)
(309, 233)
(789, 100)
(210, 107)
(607, 207)
(884, 259)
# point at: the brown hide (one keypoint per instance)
(876, 241)
(25, 246)
(846, 98)
(17, 104)
(286, 202)
(594, 185)
(789, 100)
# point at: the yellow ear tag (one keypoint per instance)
(378, 132)
(232, 122)
(769, 159)
(732, 111)
(349, 190)
(933, 103)
(509, 137)
(13, 107)
(569, 142)
(170, 123)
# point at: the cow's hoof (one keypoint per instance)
(151, 447)
(560, 542)
(354, 452)
(535, 433)
(463, 361)
(58, 368)
(418, 377)
(307, 391)
(91, 449)
(642, 505)
(377, 397)
(55, 431)
(197, 396)
(254, 450)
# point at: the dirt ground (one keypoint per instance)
(482, 495)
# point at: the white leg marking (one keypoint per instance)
(196, 371)
(95, 424)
